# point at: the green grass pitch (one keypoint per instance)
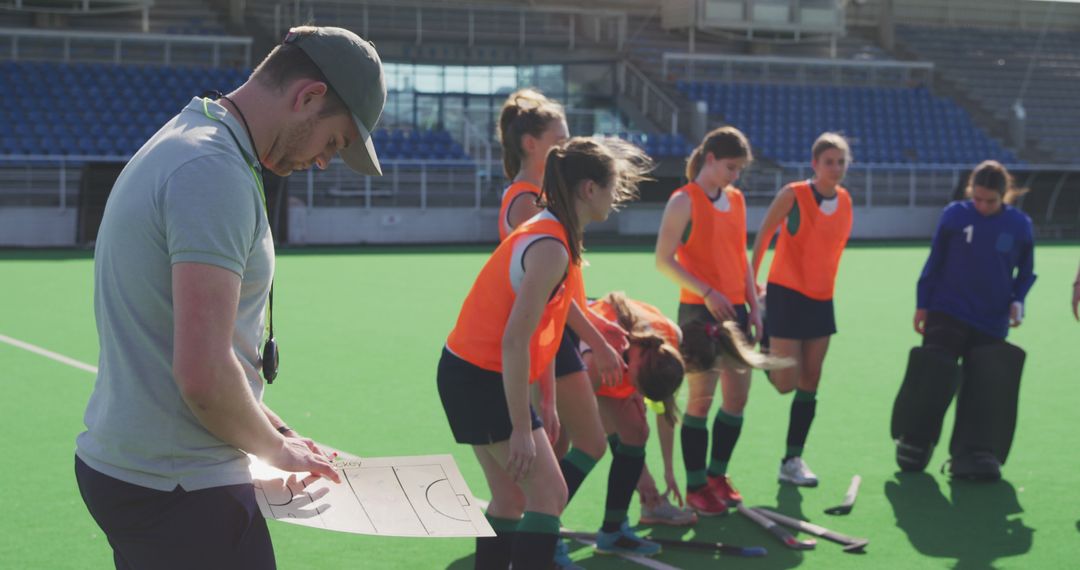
(361, 331)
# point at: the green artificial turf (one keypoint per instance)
(361, 331)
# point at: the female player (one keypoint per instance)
(529, 125)
(702, 247)
(656, 368)
(655, 371)
(972, 289)
(507, 333)
(1076, 295)
(815, 219)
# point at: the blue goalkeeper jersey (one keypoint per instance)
(978, 266)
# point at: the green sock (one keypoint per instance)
(695, 442)
(626, 465)
(575, 466)
(803, 408)
(726, 430)
(539, 523)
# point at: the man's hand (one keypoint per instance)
(297, 454)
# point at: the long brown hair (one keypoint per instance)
(660, 373)
(525, 112)
(703, 344)
(609, 162)
(724, 142)
(993, 175)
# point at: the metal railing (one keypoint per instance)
(478, 144)
(730, 68)
(408, 183)
(649, 98)
(43, 181)
(112, 47)
(1004, 14)
(53, 181)
(77, 6)
(873, 185)
(421, 22)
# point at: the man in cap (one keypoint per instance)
(183, 272)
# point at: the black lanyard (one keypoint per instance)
(271, 357)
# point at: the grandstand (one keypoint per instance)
(991, 73)
(920, 102)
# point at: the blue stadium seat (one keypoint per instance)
(10, 145)
(783, 120)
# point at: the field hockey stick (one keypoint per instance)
(849, 499)
(777, 530)
(589, 539)
(733, 550)
(851, 544)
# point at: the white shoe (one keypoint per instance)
(666, 513)
(796, 472)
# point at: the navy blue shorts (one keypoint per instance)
(218, 527)
(568, 359)
(692, 312)
(475, 402)
(790, 314)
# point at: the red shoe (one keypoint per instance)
(705, 502)
(724, 491)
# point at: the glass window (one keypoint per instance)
(526, 76)
(479, 80)
(429, 78)
(591, 79)
(503, 80)
(455, 79)
(550, 80)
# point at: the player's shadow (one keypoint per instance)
(974, 527)
(789, 501)
(464, 563)
(731, 528)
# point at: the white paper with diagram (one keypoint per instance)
(418, 496)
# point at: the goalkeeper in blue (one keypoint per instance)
(971, 291)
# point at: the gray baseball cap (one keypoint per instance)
(354, 70)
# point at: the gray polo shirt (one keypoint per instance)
(188, 195)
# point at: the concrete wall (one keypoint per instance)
(392, 225)
(886, 222)
(37, 227)
(49, 227)
(465, 225)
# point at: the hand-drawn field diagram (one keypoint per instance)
(422, 496)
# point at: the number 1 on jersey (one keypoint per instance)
(970, 231)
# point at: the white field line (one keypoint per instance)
(48, 354)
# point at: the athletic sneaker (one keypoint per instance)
(668, 514)
(705, 502)
(562, 557)
(624, 541)
(796, 472)
(722, 488)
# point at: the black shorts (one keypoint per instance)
(790, 314)
(568, 358)
(953, 335)
(475, 402)
(693, 312)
